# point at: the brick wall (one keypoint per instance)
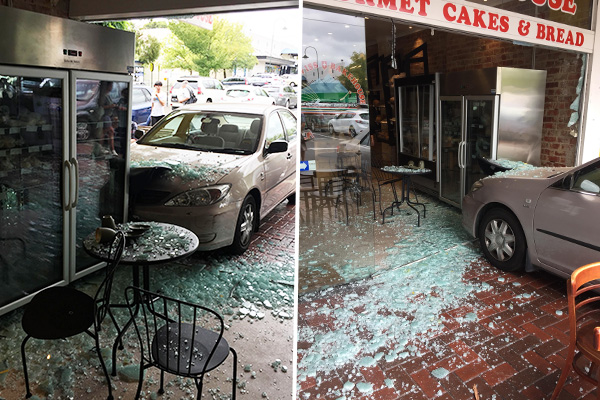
(57, 8)
(454, 52)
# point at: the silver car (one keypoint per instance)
(216, 170)
(284, 95)
(547, 217)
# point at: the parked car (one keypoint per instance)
(235, 80)
(291, 79)
(258, 81)
(208, 90)
(141, 105)
(216, 170)
(284, 95)
(249, 94)
(350, 122)
(547, 217)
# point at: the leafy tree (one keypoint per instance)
(197, 49)
(122, 25)
(358, 68)
(156, 25)
(147, 48)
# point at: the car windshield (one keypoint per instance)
(220, 132)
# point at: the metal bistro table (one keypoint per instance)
(159, 243)
(406, 173)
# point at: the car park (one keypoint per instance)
(284, 95)
(216, 170)
(235, 80)
(249, 94)
(350, 123)
(207, 90)
(544, 217)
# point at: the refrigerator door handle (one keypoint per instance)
(66, 186)
(461, 146)
(76, 165)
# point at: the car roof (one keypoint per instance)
(249, 108)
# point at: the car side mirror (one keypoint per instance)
(568, 181)
(277, 146)
(138, 133)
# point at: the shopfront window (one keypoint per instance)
(336, 206)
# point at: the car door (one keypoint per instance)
(567, 221)
(276, 165)
(142, 105)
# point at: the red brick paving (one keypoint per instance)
(515, 350)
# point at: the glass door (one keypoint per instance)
(409, 120)
(33, 191)
(451, 137)
(102, 120)
(480, 133)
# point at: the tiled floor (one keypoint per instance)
(508, 337)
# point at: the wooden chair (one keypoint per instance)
(332, 188)
(584, 316)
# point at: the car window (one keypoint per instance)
(237, 92)
(218, 85)
(291, 126)
(588, 179)
(208, 83)
(274, 129)
(364, 115)
(138, 96)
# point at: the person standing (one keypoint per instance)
(159, 100)
(185, 94)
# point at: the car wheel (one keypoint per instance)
(209, 100)
(502, 240)
(292, 199)
(287, 104)
(245, 226)
(331, 130)
(352, 131)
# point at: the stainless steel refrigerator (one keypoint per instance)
(64, 141)
(493, 113)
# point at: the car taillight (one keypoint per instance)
(280, 94)
(199, 90)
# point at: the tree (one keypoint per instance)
(155, 25)
(147, 48)
(122, 25)
(197, 49)
(358, 68)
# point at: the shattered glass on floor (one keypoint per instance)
(422, 315)
(254, 293)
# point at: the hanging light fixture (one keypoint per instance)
(394, 64)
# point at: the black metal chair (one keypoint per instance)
(383, 178)
(61, 312)
(173, 338)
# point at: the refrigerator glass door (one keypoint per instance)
(409, 120)
(479, 137)
(426, 137)
(103, 127)
(34, 195)
(451, 133)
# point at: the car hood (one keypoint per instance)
(530, 172)
(195, 168)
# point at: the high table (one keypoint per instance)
(406, 173)
(159, 243)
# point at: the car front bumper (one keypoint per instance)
(214, 225)
(470, 211)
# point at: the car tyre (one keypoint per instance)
(287, 104)
(245, 226)
(331, 130)
(502, 240)
(352, 131)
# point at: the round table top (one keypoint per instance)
(160, 243)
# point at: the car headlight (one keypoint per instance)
(477, 185)
(200, 197)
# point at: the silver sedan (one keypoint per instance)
(544, 217)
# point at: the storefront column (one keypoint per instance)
(589, 147)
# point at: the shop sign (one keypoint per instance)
(479, 19)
